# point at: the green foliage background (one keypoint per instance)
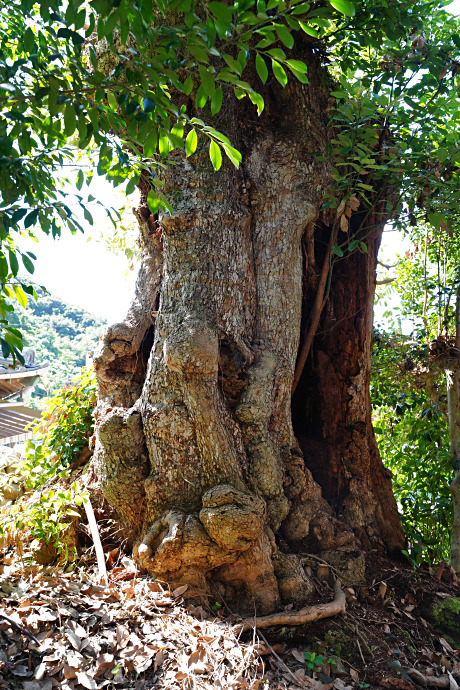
(413, 437)
(61, 333)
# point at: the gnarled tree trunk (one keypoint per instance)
(196, 447)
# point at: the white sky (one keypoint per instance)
(80, 270)
(87, 275)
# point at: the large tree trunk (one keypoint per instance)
(195, 441)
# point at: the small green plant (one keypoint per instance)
(45, 511)
(44, 521)
(66, 425)
(314, 661)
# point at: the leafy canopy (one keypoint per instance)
(108, 80)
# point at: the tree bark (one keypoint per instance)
(453, 403)
(195, 442)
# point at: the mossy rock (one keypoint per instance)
(445, 614)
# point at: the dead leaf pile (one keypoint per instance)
(91, 636)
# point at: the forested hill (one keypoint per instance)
(60, 333)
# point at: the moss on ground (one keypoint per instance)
(445, 614)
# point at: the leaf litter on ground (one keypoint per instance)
(92, 636)
(135, 634)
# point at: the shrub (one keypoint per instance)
(42, 514)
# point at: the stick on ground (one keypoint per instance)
(19, 628)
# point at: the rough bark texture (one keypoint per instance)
(453, 401)
(453, 398)
(332, 407)
(195, 443)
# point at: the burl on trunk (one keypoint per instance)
(195, 441)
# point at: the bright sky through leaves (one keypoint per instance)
(87, 275)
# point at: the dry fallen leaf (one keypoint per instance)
(446, 645)
(298, 655)
(86, 680)
(179, 591)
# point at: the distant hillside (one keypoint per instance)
(60, 333)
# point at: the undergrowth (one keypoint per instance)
(411, 428)
(45, 512)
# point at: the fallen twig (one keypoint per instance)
(305, 615)
(284, 666)
(97, 541)
(360, 634)
(19, 628)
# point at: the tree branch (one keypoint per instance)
(318, 307)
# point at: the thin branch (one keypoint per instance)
(387, 281)
(387, 266)
(318, 307)
(20, 628)
(284, 666)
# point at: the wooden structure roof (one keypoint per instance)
(16, 384)
(14, 422)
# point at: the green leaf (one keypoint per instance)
(14, 264)
(336, 250)
(112, 101)
(28, 265)
(78, 39)
(297, 65)
(216, 100)
(20, 295)
(233, 154)
(261, 67)
(363, 246)
(31, 218)
(436, 219)
(279, 73)
(149, 105)
(221, 11)
(153, 201)
(344, 6)
(5, 348)
(150, 144)
(308, 29)
(191, 142)
(257, 99)
(442, 154)
(285, 36)
(80, 179)
(201, 96)
(303, 8)
(130, 187)
(70, 119)
(187, 86)
(164, 146)
(215, 155)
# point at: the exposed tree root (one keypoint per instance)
(305, 615)
(434, 681)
